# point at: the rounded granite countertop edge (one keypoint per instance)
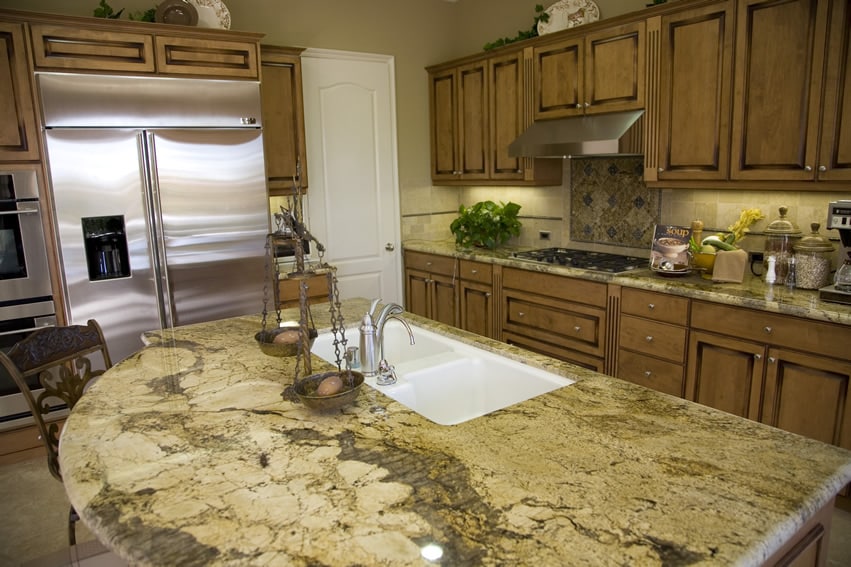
(752, 293)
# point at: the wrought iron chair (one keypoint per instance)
(56, 361)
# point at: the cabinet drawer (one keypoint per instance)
(191, 56)
(475, 271)
(771, 328)
(431, 263)
(562, 287)
(653, 338)
(62, 47)
(659, 375)
(573, 326)
(656, 306)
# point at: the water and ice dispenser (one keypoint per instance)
(106, 247)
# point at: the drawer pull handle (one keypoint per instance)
(647, 373)
(768, 330)
(651, 306)
(577, 328)
(649, 338)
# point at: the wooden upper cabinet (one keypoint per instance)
(18, 132)
(506, 114)
(835, 154)
(283, 118)
(780, 59)
(695, 90)
(458, 100)
(131, 48)
(214, 57)
(602, 71)
(76, 49)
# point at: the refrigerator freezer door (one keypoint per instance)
(98, 173)
(211, 190)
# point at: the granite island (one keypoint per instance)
(186, 454)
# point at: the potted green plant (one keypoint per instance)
(486, 224)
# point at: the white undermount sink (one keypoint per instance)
(445, 380)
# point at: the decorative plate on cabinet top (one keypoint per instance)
(178, 12)
(566, 14)
(212, 14)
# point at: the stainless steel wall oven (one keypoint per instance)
(26, 299)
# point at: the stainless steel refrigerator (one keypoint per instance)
(160, 200)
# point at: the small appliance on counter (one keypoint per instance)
(839, 217)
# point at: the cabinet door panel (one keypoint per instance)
(444, 302)
(725, 373)
(477, 308)
(443, 125)
(473, 120)
(191, 56)
(570, 325)
(560, 81)
(655, 339)
(506, 119)
(416, 292)
(835, 152)
(779, 63)
(808, 395)
(556, 351)
(283, 120)
(18, 133)
(614, 69)
(695, 93)
(64, 47)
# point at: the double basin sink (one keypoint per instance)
(448, 381)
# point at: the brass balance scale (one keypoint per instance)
(326, 390)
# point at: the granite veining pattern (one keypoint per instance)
(186, 454)
(752, 292)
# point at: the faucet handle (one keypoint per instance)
(386, 373)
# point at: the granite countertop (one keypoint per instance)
(752, 292)
(186, 454)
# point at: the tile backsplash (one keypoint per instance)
(610, 204)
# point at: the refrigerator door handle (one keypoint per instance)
(155, 230)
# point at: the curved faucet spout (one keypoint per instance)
(381, 331)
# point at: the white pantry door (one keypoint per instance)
(353, 198)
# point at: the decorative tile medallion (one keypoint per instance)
(610, 204)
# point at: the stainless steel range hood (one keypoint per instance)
(595, 134)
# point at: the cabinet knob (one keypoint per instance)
(808, 168)
(647, 373)
(521, 314)
(428, 263)
(661, 169)
(768, 330)
(474, 271)
(487, 294)
(651, 306)
(587, 104)
(822, 168)
(649, 338)
(757, 357)
(577, 328)
(772, 360)
(518, 170)
(578, 105)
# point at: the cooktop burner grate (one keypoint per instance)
(584, 259)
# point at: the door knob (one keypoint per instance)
(390, 247)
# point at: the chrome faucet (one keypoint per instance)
(371, 349)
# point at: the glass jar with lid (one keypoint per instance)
(812, 260)
(780, 236)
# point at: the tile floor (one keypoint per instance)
(36, 536)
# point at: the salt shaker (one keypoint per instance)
(770, 274)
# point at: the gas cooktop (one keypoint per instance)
(583, 259)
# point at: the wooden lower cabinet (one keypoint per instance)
(725, 373)
(431, 286)
(652, 340)
(316, 289)
(477, 305)
(784, 371)
(559, 316)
